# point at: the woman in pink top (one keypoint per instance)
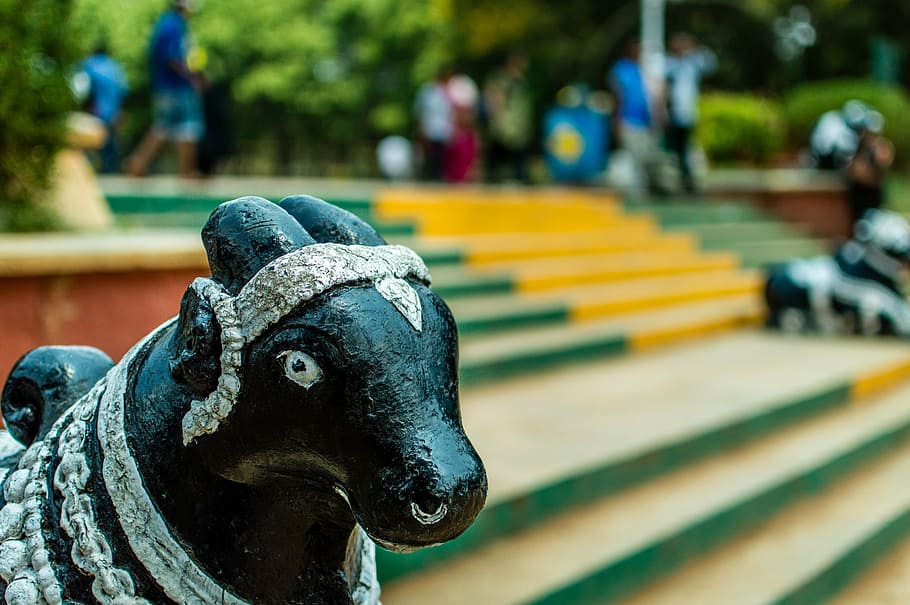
(461, 154)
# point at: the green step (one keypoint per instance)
(730, 234)
(191, 212)
(682, 213)
(525, 508)
(529, 509)
(512, 318)
(494, 357)
(809, 551)
(459, 284)
(149, 204)
(622, 577)
(764, 254)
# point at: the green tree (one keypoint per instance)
(35, 54)
(323, 74)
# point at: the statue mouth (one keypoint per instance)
(417, 513)
(400, 548)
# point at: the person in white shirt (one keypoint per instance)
(835, 137)
(685, 67)
(436, 123)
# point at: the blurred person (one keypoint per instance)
(633, 122)
(509, 116)
(461, 152)
(835, 136)
(856, 290)
(176, 95)
(436, 124)
(868, 166)
(107, 87)
(685, 67)
(217, 142)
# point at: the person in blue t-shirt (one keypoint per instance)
(633, 122)
(176, 99)
(107, 88)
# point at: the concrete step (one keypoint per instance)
(809, 551)
(488, 211)
(731, 233)
(477, 251)
(681, 212)
(555, 273)
(766, 253)
(474, 203)
(202, 202)
(551, 221)
(635, 295)
(602, 552)
(486, 358)
(195, 220)
(580, 434)
(596, 301)
(887, 581)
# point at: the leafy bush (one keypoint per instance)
(35, 55)
(740, 127)
(806, 103)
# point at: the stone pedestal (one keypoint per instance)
(75, 193)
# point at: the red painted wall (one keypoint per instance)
(110, 311)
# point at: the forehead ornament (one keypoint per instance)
(281, 286)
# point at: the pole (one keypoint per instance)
(652, 42)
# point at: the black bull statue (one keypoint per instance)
(302, 406)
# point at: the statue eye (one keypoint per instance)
(301, 368)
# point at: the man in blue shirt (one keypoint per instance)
(107, 88)
(176, 101)
(633, 123)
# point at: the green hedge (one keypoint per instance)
(740, 128)
(804, 105)
(36, 52)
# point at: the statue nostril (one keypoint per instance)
(425, 518)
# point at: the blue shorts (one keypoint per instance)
(177, 114)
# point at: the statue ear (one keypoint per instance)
(328, 223)
(44, 383)
(196, 359)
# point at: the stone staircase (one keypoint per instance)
(750, 468)
(535, 278)
(551, 277)
(733, 225)
(744, 467)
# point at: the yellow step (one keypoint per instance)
(482, 249)
(586, 302)
(643, 330)
(483, 211)
(402, 202)
(629, 297)
(504, 221)
(602, 269)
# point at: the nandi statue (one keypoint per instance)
(301, 407)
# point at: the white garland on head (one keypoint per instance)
(277, 289)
